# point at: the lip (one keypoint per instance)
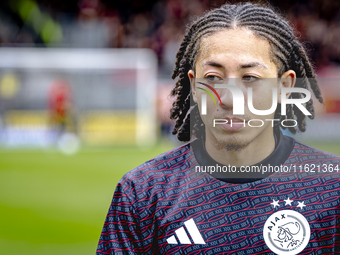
(234, 124)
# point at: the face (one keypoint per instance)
(236, 57)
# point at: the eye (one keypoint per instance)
(250, 79)
(213, 78)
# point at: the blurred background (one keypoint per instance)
(84, 98)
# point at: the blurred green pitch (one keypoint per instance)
(56, 204)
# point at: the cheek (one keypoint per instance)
(210, 106)
(263, 98)
(198, 97)
(261, 102)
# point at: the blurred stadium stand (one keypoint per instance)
(156, 25)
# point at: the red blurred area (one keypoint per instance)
(60, 99)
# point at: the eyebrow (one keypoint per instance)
(211, 63)
(246, 65)
(254, 64)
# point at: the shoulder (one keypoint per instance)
(303, 153)
(161, 169)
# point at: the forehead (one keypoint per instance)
(238, 44)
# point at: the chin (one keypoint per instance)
(233, 142)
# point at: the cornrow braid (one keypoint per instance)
(286, 51)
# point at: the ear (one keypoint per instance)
(191, 75)
(288, 80)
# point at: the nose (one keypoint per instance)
(226, 98)
(225, 93)
(231, 95)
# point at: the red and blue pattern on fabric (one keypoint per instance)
(152, 203)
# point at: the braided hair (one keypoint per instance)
(286, 51)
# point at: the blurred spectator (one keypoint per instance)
(159, 25)
(89, 30)
(60, 105)
(164, 104)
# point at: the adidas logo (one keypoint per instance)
(183, 237)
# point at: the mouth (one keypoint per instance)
(231, 124)
(234, 120)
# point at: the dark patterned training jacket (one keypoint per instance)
(183, 202)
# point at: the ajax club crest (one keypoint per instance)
(286, 232)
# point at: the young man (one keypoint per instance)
(239, 186)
